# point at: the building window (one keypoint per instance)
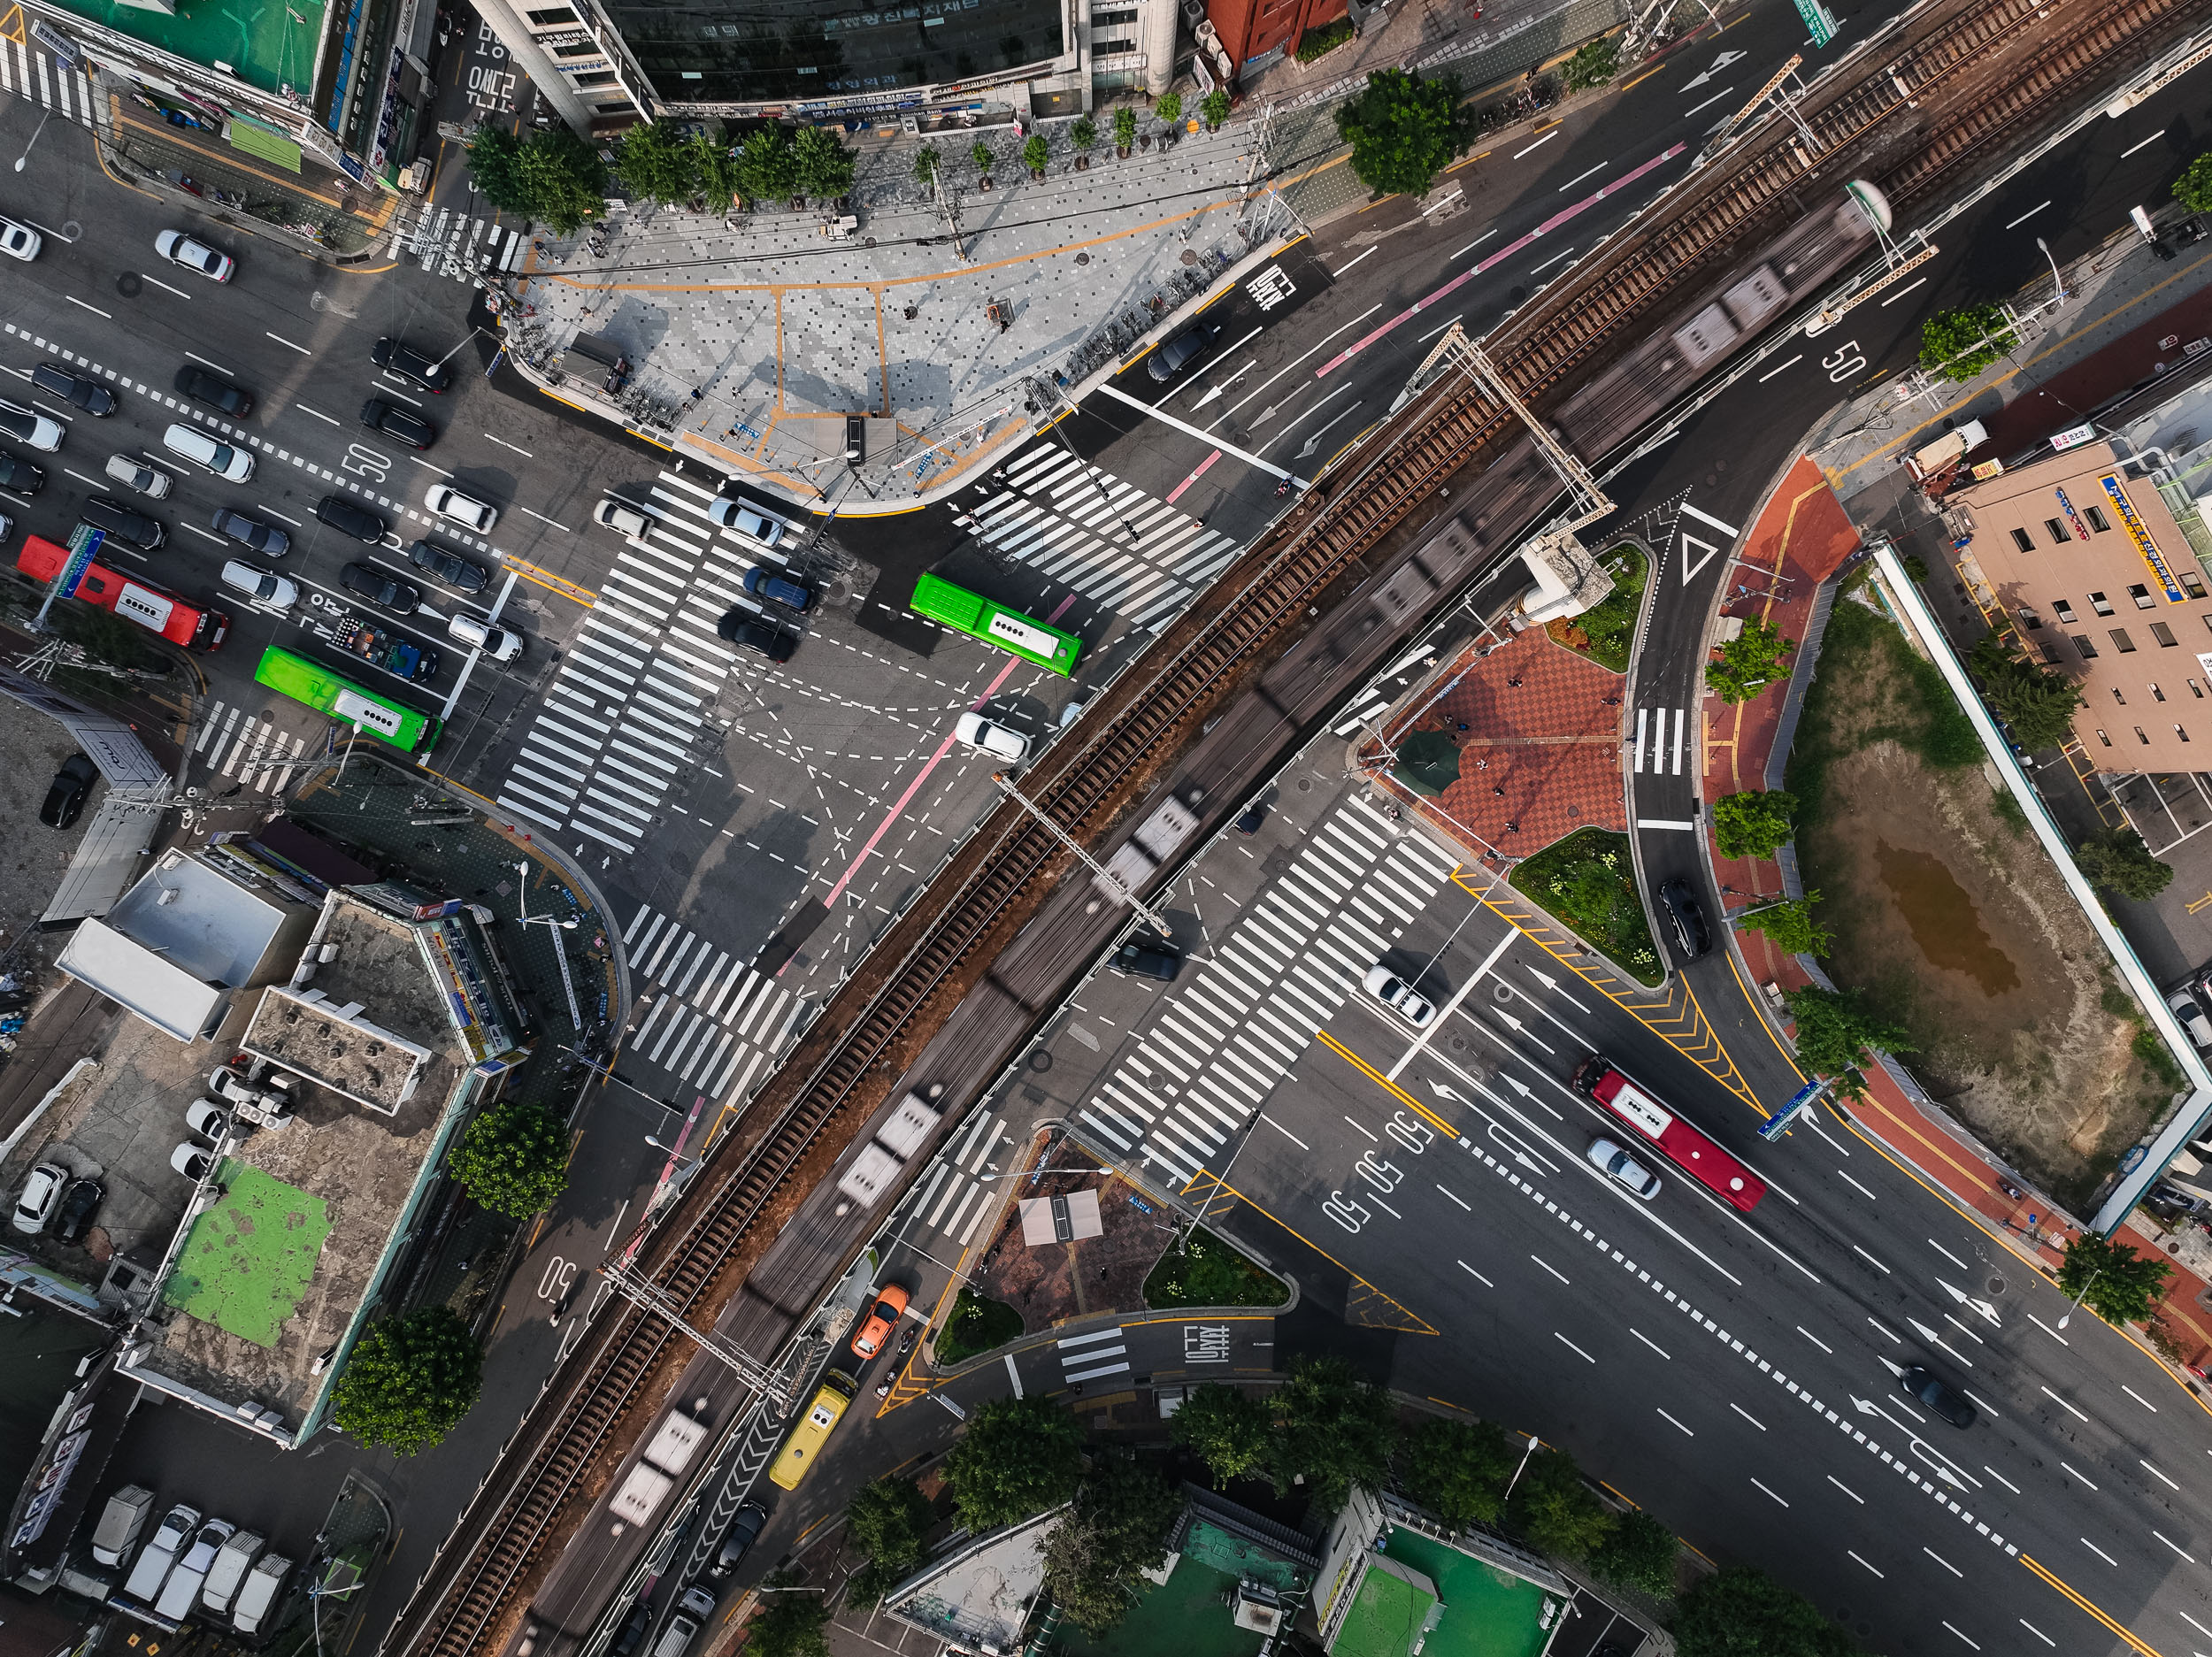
(2059, 537)
(2097, 520)
(623, 107)
(2141, 594)
(2196, 690)
(601, 78)
(2164, 634)
(2183, 734)
(2099, 602)
(2029, 618)
(2020, 540)
(1105, 47)
(2194, 583)
(2081, 643)
(553, 17)
(1112, 20)
(2050, 652)
(2064, 611)
(2102, 738)
(2121, 642)
(2156, 694)
(589, 48)
(2141, 737)
(2119, 696)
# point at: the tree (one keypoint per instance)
(1790, 926)
(1639, 1554)
(1740, 1612)
(1036, 152)
(1754, 659)
(658, 162)
(926, 163)
(1333, 1428)
(1083, 135)
(1215, 109)
(983, 157)
(766, 169)
(1593, 64)
(2121, 864)
(1458, 1469)
(1756, 823)
(1020, 1456)
(513, 1160)
(552, 175)
(1403, 130)
(408, 1380)
(887, 1521)
(1958, 344)
(717, 169)
(1095, 1560)
(2037, 703)
(1833, 1030)
(1170, 109)
(823, 166)
(2194, 188)
(2121, 1285)
(787, 1623)
(1225, 1429)
(1124, 128)
(1553, 1508)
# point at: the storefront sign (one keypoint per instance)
(2081, 530)
(1985, 470)
(2072, 437)
(2116, 492)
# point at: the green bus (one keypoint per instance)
(325, 692)
(972, 613)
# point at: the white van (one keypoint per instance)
(229, 1571)
(160, 1553)
(197, 446)
(258, 1598)
(120, 1522)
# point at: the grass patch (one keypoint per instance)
(2010, 812)
(1917, 710)
(976, 1325)
(1205, 1270)
(1588, 880)
(2148, 1047)
(1321, 42)
(1606, 631)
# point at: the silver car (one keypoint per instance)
(1612, 1161)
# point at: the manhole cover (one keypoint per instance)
(128, 285)
(1082, 259)
(1517, 297)
(1305, 785)
(1501, 993)
(1459, 1043)
(871, 242)
(1996, 1284)
(1040, 1061)
(1190, 255)
(72, 231)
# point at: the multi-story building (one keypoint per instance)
(1256, 34)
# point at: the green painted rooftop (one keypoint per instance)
(1189, 1614)
(1487, 1612)
(247, 1259)
(268, 43)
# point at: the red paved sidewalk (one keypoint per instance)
(1803, 533)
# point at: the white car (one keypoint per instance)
(19, 242)
(179, 249)
(625, 517)
(1609, 1159)
(29, 427)
(2190, 1012)
(263, 587)
(223, 459)
(501, 644)
(448, 502)
(748, 521)
(991, 738)
(1398, 996)
(42, 1193)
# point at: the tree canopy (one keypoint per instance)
(513, 1160)
(716, 169)
(887, 1521)
(1169, 108)
(1333, 1428)
(2036, 702)
(2122, 864)
(1593, 64)
(1215, 109)
(657, 163)
(1117, 1531)
(408, 1380)
(1790, 926)
(1740, 1612)
(1403, 130)
(1753, 660)
(824, 167)
(1457, 1470)
(552, 175)
(2194, 188)
(766, 169)
(1835, 1030)
(2122, 1286)
(1756, 823)
(1960, 343)
(789, 1623)
(1639, 1554)
(1019, 1456)
(1225, 1429)
(1553, 1508)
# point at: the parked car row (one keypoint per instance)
(192, 1567)
(55, 1203)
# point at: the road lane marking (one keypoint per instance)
(2099, 1552)
(2001, 1478)
(1555, 259)
(1900, 1340)
(1280, 1129)
(1476, 1276)
(94, 310)
(1454, 1196)
(1570, 1347)
(1945, 1563)
(2178, 1549)
(1709, 103)
(1371, 1140)
(1770, 372)
(2139, 1398)
(1854, 1555)
(527, 455)
(2047, 1329)
(1538, 144)
(1816, 1340)
(2085, 1478)
(1707, 518)
(1949, 1255)
(218, 367)
(280, 340)
(2146, 144)
(1686, 1431)
(1649, 1342)
(1969, 1642)
(317, 413)
(1854, 1184)
(1013, 1375)
(542, 519)
(1747, 1416)
(2038, 1633)
(1854, 1496)
(1477, 242)
(1771, 1492)
(1901, 292)
(2156, 1474)
(1376, 248)
(1578, 177)
(426, 466)
(1555, 1270)
(2055, 1397)
(1982, 1401)
(2031, 213)
(1863, 1254)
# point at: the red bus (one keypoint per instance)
(156, 608)
(1681, 1144)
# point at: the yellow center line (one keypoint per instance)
(1385, 1082)
(2042, 1571)
(553, 583)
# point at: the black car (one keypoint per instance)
(1947, 1401)
(388, 590)
(634, 1631)
(215, 391)
(744, 629)
(352, 517)
(73, 1218)
(1148, 961)
(450, 567)
(78, 389)
(65, 794)
(402, 425)
(1686, 916)
(751, 1518)
(1181, 350)
(20, 476)
(266, 539)
(392, 354)
(119, 522)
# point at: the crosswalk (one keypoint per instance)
(630, 710)
(710, 1020)
(1090, 1357)
(233, 742)
(1668, 756)
(1209, 1061)
(955, 1192)
(446, 243)
(1106, 539)
(47, 81)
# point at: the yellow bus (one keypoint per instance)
(803, 1448)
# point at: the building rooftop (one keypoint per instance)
(1397, 1582)
(980, 1596)
(267, 46)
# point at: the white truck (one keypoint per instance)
(648, 1483)
(160, 1553)
(229, 1571)
(181, 1591)
(257, 1599)
(120, 1522)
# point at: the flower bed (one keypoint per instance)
(1588, 880)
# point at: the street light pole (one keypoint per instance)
(1532, 1442)
(21, 160)
(2077, 1298)
(2057, 281)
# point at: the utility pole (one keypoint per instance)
(1099, 872)
(642, 1292)
(947, 205)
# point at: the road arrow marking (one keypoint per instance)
(1691, 566)
(1963, 1299)
(1719, 64)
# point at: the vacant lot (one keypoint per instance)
(1952, 922)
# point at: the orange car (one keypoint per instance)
(882, 1317)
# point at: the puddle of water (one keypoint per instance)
(1945, 924)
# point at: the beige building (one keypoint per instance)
(2089, 563)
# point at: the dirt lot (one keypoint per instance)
(32, 749)
(1954, 924)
